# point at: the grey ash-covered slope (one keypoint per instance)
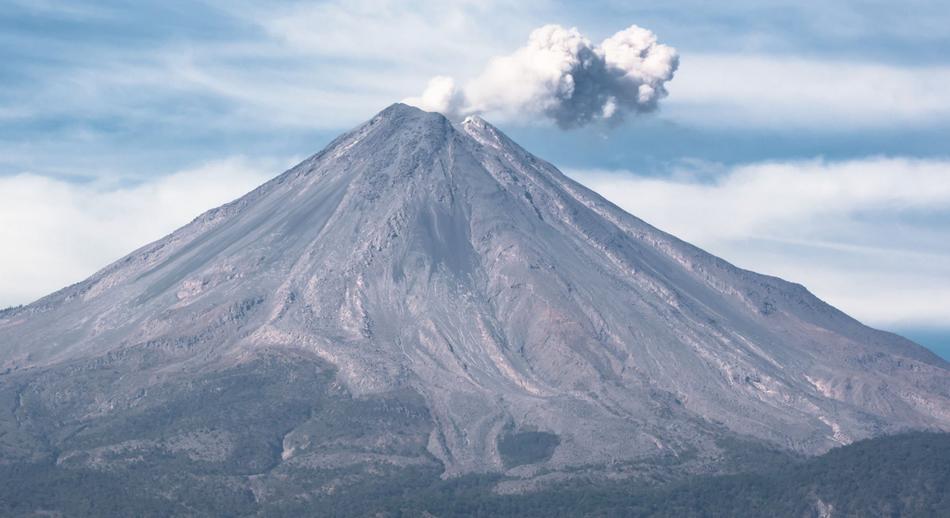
(419, 293)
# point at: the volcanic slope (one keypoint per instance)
(427, 293)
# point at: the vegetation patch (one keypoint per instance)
(521, 448)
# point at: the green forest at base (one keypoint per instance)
(901, 475)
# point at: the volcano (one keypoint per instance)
(426, 296)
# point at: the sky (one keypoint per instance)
(804, 139)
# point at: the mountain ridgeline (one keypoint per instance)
(426, 298)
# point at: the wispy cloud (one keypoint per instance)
(388, 33)
(781, 92)
(869, 235)
(63, 9)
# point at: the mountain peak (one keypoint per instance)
(400, 113)
(474, 120)
(484, 133)
(396, 110)
(398, 125)
(416, 123)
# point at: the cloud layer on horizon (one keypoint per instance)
(561, 75)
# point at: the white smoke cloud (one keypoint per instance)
(441, 95)
(562, 75)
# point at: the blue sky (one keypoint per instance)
(802, 139)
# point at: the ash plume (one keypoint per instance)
(562, 75)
